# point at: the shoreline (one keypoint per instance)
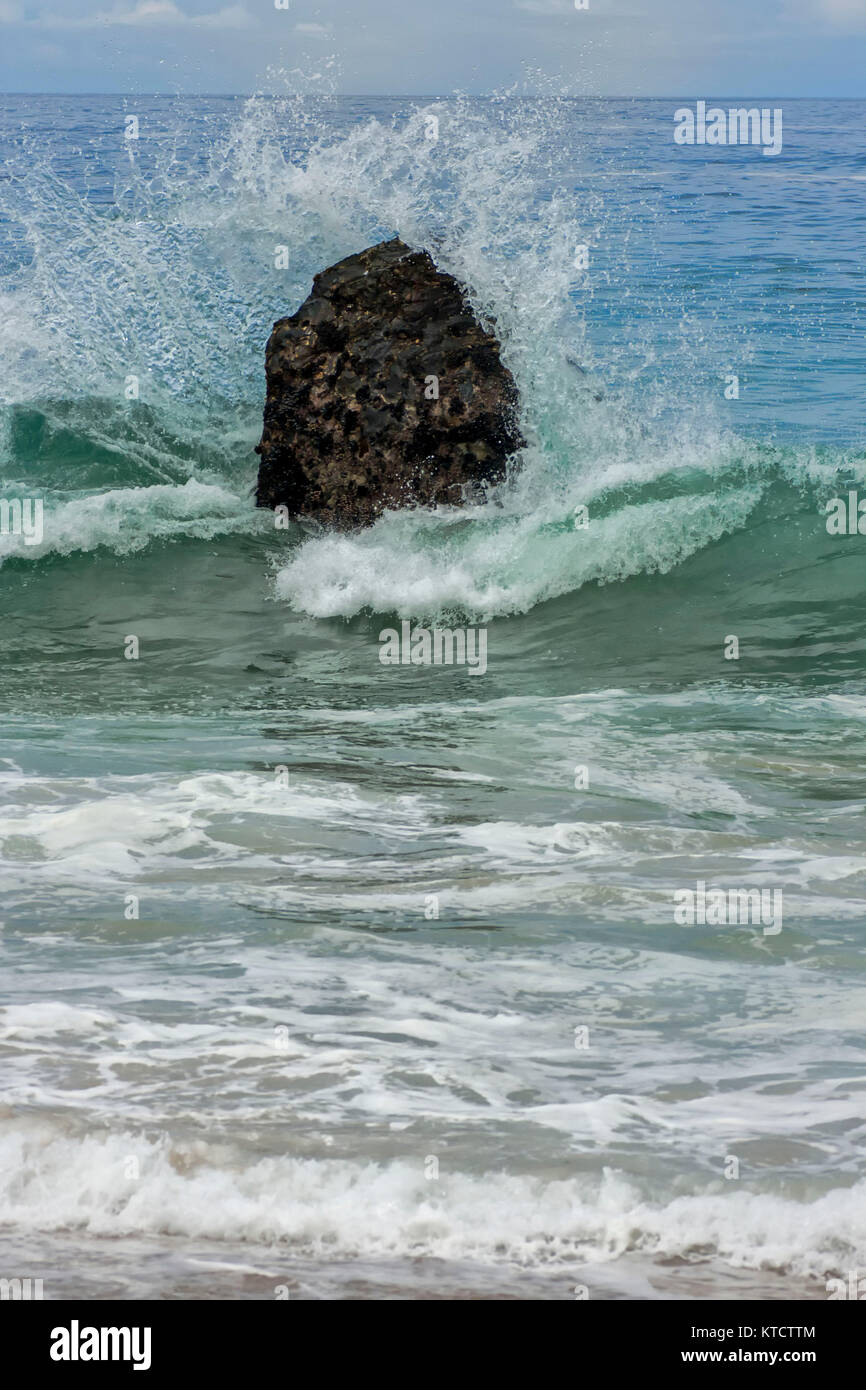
(162, 1268)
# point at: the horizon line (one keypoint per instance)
(424, 96)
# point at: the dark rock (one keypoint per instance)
(349, 430)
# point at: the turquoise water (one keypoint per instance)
(238, 1051)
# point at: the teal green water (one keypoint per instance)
(314, 968)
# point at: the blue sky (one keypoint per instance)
(748, 48)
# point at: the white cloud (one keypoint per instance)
(232, 17)
(839, 16)
(546, 6)
(157, 12)
(146, 14)
(844, 7)
(847, 14)
(315, 31)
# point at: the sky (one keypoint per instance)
(667, 48)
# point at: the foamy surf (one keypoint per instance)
(125, 520)
(488, 565)
(317, 941)
(125, 1185)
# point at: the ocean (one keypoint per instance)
(323, 978)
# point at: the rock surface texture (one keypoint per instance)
(353, 422)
